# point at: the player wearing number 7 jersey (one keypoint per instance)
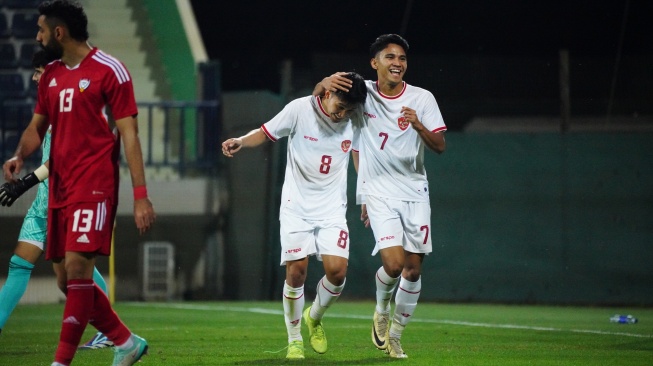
(399, 119)
(320, 130)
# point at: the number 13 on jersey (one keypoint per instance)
(66, 100)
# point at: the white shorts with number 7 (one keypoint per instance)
(400, 223)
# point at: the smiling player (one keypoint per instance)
(320, 131)
(399, 120)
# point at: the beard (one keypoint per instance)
(53, 50)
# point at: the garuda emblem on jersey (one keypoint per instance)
(83, 84)
(402, 123)
(345, 145)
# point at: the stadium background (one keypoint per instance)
(538, 199)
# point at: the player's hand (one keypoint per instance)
(7, 194)
(364, 217)
(12, 167)
(144, 215)
(411, 117)
(10, 191)
(231, 146)
(336, 82)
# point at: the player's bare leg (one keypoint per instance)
(393, 259)
(28, 252)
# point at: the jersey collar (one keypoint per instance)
(319, 104)
(403, 89)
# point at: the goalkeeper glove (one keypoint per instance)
(9, 192)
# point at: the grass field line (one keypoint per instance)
(414, 320)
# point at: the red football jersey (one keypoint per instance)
(84, 151)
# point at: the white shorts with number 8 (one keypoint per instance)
(303, 237)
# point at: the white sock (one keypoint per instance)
(327, 294)
(293, 304)
(57, 364)
(405, 303)
(127, 345)
(385, 286)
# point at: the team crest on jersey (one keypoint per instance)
(83, 84)
(345, 145)
(402, 123)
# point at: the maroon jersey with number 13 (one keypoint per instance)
(85, 151)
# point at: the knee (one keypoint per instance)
(413, 267)
(295, 276)
(337, 277)
(62, 284)
(393, 268)
(75, 270)
(411, 274)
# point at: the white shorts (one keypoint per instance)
(400, 223)
(303, 237)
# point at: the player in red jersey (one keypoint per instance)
(73, 95)
(31, 240)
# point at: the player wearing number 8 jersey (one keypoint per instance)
(318, 155)
(399, 119)
(320, 130)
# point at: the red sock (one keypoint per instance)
(107, 321)
(76, 314)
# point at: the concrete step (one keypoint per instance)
(112, 30)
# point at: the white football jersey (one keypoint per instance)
(315, 185)
(391, 160)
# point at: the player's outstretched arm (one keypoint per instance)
(10, 191)
(144, 214)
(251, 139)
(332, 83)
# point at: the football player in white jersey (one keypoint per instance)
(399, 120)
(320, 131)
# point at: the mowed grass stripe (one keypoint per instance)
(259, 310)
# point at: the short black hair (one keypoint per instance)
(358, 91)
(383, 41)
(40, 59)
(69, 13)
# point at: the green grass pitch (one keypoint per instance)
(253, 333)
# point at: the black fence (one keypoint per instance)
(180, 134)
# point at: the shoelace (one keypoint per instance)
(319, 331)
(396, 345)
(383, 324)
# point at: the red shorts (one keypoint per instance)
(80, 227)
